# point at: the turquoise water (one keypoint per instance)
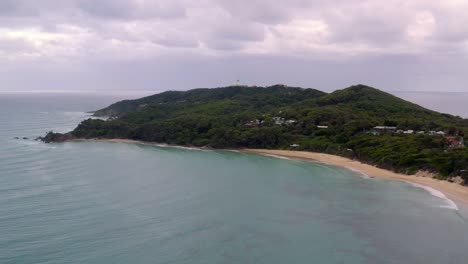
(95, 202)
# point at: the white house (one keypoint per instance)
(385, 128)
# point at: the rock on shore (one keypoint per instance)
(56, 137)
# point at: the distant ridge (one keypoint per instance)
(207, 95)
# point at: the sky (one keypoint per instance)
(394, 45)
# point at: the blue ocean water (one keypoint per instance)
(96, 202)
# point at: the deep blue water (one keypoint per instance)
(95, 202)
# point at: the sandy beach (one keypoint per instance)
(453, 191)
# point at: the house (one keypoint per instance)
(455, 142)
(254, 123)
(408, 132)
(282, 121)
(420, 132)
(278, 120)
(382, 129)
(294, 145)
(441, 133)
(250, 124)
(322, 127)
(391, 128)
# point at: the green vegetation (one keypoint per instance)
(279, 116)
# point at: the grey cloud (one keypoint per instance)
(17, 8)
(256, 10)
(267, 11)
(238, 30)
(451, 26)
(233, 34)
(177, 41)
(15, 46)
(131, 9)
(257, 40)
(224, 45)
(365, 28)
(110, 9)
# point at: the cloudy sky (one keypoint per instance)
(394, 45)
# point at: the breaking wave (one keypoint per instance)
(449, 203)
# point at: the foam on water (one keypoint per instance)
(362, 174)
(162, 145)
(276, 156)
(449, 203)
(188, 148)
(75, 113)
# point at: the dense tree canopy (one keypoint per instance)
(340, 123)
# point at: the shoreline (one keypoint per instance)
(453, 191)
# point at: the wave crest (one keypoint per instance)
(434, 192)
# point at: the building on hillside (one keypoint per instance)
(440, 133)
(382, 129)
(250, 124)
(386, 128)
(282, 121)
(294, 145)
(278, 120)
(456, 142)
(408, 132)
(253, 123)
(322, 127)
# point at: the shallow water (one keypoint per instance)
(98, 202)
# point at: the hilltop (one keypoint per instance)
(343, 122)
(272, 96)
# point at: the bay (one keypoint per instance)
(98, 202)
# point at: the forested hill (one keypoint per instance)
(342, 122)
(272, 96)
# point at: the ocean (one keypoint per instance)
(454, 103)
(99, 202)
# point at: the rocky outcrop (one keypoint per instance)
(56, 137)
